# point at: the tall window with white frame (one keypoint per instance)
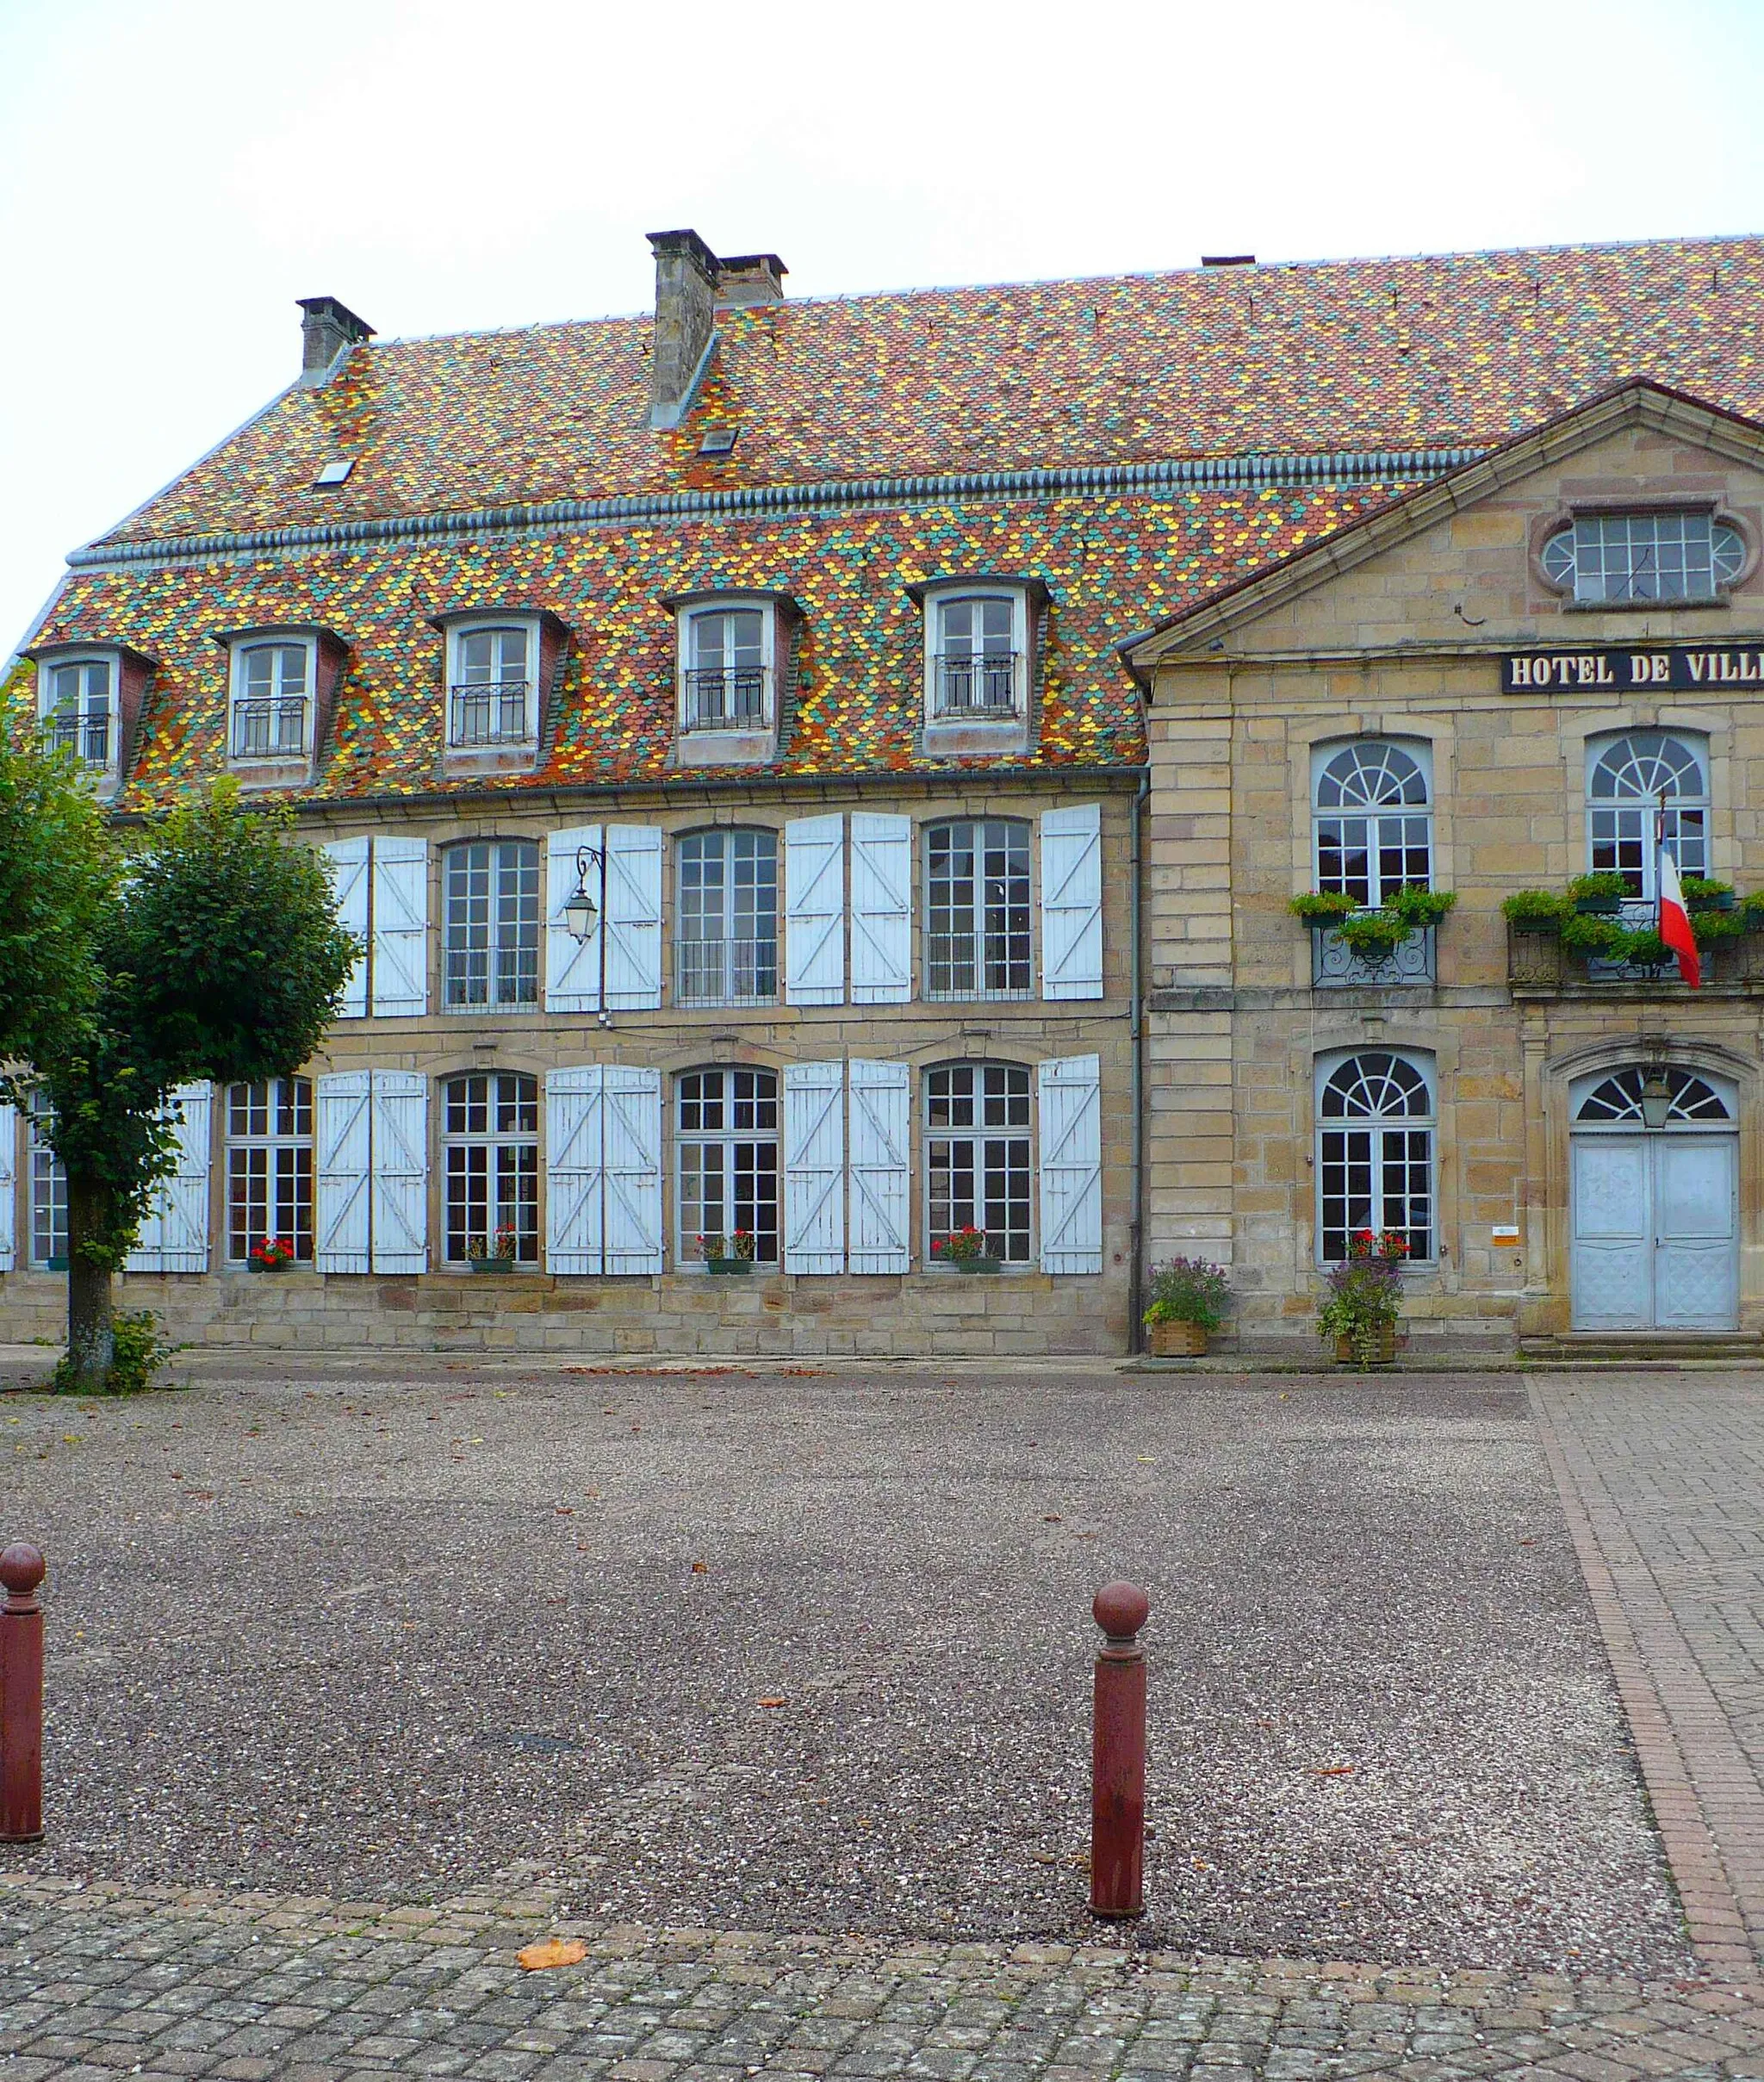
(270, 1167)
(48, 1194)
(726, 669)
(727, 950)
(1647, 788)
(1373, 819)
(976, 657)
(977, 939)
(726, 1154)
(78, 710)
(272, 693)
(979, 1172)
(491, 952)
(1374, 1152)
(490, 1156)
(491, 698)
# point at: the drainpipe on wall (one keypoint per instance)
(1136, 1035)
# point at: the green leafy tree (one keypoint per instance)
(57, 879)
(218, 955)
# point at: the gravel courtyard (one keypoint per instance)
(810, 1650)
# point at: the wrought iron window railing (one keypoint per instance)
(493, 713)
(968, 685)
(725, 972)
(725, 697)
(270, 727)
(1412, 960)
(87, 737)
(977, 965)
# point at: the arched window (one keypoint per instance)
(490, 1151)
(978, 1171)
(492, 895)
(726, 1152)
(1673, 555)
(1643, 789)
(1616, 1100)
(1374, 1152)
(727, 950)
(977, 878)
(1374, 820)
(269, 1166)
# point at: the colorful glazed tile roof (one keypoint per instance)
(1463, 350)
(1377, 356)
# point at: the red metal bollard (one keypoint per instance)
(1118, 1756)
(21, 1696)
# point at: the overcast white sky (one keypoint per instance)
(177, 171)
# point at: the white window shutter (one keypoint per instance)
(574, 1170)
(341, 1145)
(814, 1167)
(881, 1142)
(881, 909)
(399, 1186)
(633, 921)
(348, 862)
(1072, 1164)
(814, 910)
(572, 966)
(8, 1186)
(401, 975)
(1071, 902)
(631, 1151)
(174, 1238)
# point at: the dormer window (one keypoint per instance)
(76, 704)
(272, 700)
(978, 680)
(1617, 559)
(732, 656)
(491, 685)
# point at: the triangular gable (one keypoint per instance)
(1633, 403)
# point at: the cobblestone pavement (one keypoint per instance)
(1664, 1483)
(97, 1983)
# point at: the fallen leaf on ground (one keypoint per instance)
(1148, 1460)
(552, 1951)
(1332, 1771)
(1051, 1518)
(701, 1568)
(771, 1702)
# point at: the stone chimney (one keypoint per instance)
(747, 279)
(328, 332)
(685, 293)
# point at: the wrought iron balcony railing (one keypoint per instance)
(87, 737)
(492, 714)
(1412, 960)
(725, 972)
(270, 727)
(725, 697)
(983, 686)
(977, 965)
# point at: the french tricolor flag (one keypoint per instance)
(1675, 922)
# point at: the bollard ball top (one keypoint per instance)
(21, 1567)
(1121, 1610)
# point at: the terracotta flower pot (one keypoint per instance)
(1176, 1340)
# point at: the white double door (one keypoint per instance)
(1655, 1232)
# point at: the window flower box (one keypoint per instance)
(737, 1260)
(496, 1252)
(966, 1250)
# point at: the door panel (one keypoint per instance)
(1612, 1256)
(1696, 1263)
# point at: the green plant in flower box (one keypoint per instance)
(1604, 891)
(1534, 909)
(1323, 907)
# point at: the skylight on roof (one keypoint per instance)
(718, 441)
(336, 471)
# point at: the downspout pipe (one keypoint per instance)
(1136, 1036)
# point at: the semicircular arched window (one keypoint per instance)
(1636, 783)
(1617, 1099)
(1373, 819)
(1374, 1152)
(1645, 556)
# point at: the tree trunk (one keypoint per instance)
(90, 1347)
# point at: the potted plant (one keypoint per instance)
(966, 1249)
(1187, 1298)
(271, 1254)
(1533, 910)
(1595, 896)
(1323, 910)
(1364, 1295)
(1703, 892)
(1419, 908)
(496, 1252)
(731, 1254)
(1375, 935)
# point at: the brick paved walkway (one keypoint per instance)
(98, 1982)
(1663, 1482)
